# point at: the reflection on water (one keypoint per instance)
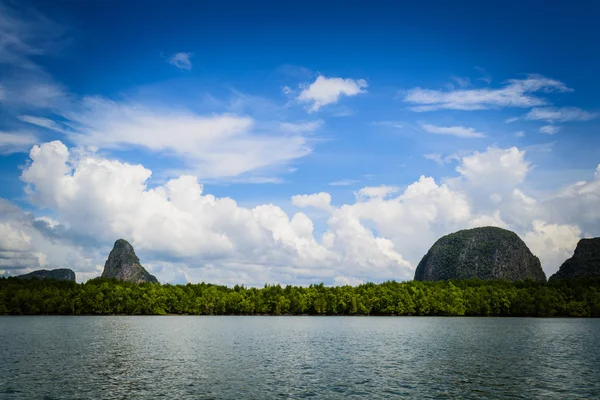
(298, 357)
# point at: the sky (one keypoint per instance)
(293, 142)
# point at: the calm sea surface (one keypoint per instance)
(298, 357)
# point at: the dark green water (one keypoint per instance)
(298, 357)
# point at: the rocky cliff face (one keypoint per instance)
(485, 253)
(124, 265)
(61, 274)
(585, 262)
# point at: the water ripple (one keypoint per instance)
(298, 358)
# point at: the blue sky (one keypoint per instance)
(365, 104)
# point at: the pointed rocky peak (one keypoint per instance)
(124, 264)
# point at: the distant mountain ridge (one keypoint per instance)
(484, 253)
(124, 264)
(61, 274)
(585, 262)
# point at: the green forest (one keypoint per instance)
(573, 298)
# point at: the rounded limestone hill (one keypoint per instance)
(484, 253)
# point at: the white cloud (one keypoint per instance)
(441, 160)
(486, 77)
(324, 91)
(458, 131)
(181, 60)
(16, 142)
(461, 82)
(520, 134)
(564, 114)
(211, 146)
(515, 93)
(371, 192)
(343, 182)
(511, 120)
(436, 157)
(495, 168)
(43, 122)
(25, 34)
(549, 129)
(300, 127)
(347, 281)
(106, 199)
(181, 231)
(318, 200)
(552, 242)
(540, 148)
(390, 124)
(26, 246)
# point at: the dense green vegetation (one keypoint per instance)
(579, 298)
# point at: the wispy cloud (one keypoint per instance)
(515, 93)
(215, 146)
(16, 142)
(563, 114)
(520, 133)
(324, 91)
(379, 192)
(549, 129)
(390, 124)
(458, 131)
(436, 157)
(25, 34)
(540, 148)
(441, 160)
(181, 60)
(511, 120)
(461, 82)
(43, 122)
(486, 77)
(301, 127)
(343, 182)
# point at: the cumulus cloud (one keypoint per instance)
(324, 91)
(181, 60)
(106, 199)
(458, 131)
(552, 241)
(514, 93)
(495, 166)
(27, 243)
(564, 114)
(318, 200)
(184, 233)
